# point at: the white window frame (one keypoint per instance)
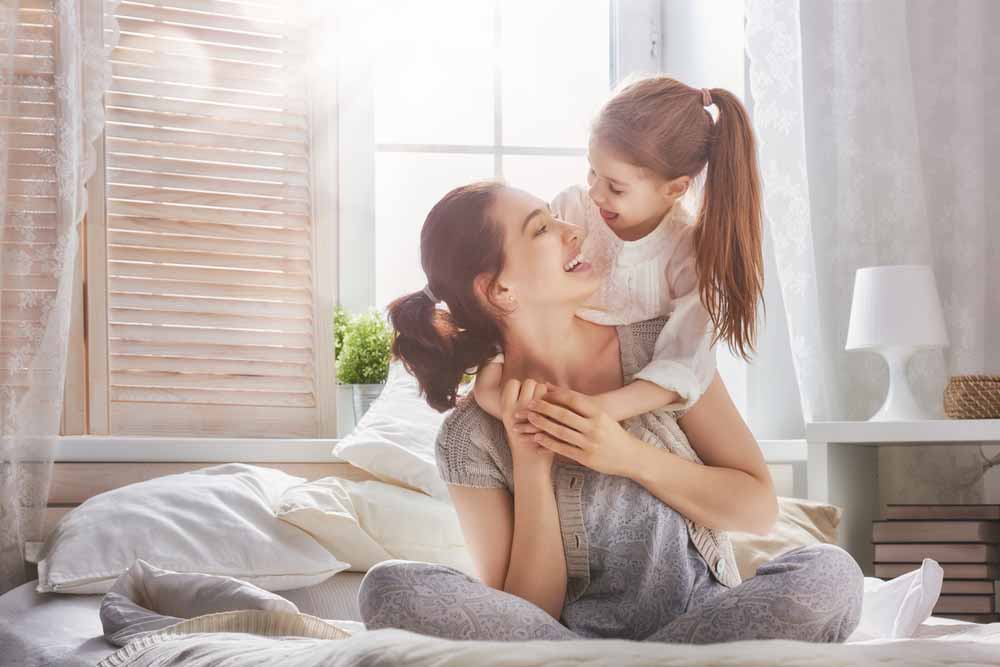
(639, 42)
(642, 34)
(635, 46)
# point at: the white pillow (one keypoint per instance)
(217, 520)
(395, 439)
(324, 509)
(373, 521)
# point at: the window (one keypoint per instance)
(204, 293)
(463, 91)
(241, 202)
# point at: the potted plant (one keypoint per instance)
(362, 348)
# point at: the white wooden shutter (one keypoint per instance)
(29, 230)
(211, 312)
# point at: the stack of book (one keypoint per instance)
(964, 539)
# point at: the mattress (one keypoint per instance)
(43, 629)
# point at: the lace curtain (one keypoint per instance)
(876, 149)
(51, 112)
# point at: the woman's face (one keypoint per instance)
(543, 267)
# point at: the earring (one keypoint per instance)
(510, 296)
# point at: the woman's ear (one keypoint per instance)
(492, 293)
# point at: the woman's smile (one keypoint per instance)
(578, 264)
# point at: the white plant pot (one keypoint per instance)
(364, 396)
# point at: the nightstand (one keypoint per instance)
(842, 466)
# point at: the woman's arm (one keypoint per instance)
(516, 541)
(731, 491)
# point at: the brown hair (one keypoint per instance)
(459, 241)
(662, 125)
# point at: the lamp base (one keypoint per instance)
(900, 405)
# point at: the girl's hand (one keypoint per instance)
(573, 425)
(514, 400)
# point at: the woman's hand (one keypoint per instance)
(573, 425)
(514, 400)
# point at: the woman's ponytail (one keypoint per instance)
(728, 234)
(433, 348)
(458, 243)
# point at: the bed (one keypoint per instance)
(394, 443)
(51, 629)
(57, 629)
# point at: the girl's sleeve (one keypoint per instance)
(683, 356)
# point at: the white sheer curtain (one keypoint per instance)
(877, 148)
(53, 73)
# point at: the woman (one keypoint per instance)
(614, 531)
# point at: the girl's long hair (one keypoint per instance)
(662, 125)
(458, 243)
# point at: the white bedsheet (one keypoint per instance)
(47, 629)
(959, 645)
(51, 629)
(244, 625)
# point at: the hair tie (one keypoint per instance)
(429, 294)
(706, 97)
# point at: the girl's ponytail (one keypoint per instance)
(458, 243)
(728, 234)
(662, 125)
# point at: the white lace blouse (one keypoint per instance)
(653, 277)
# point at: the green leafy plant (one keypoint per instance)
(341, 318)
(364, 350)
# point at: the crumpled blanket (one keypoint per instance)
(145, 599)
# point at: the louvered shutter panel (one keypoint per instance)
(210, 300)
(29, 262)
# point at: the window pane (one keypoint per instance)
(434, 72)
(407, 185)
(556, 72)
(544, 176)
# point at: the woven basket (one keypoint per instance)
(973, 397)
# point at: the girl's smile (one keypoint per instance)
(608, 215)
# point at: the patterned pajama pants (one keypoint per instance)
(810, 594)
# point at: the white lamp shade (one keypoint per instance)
(896, 306)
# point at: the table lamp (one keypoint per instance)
(896, 312)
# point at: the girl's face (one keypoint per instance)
(632, 200)
(543, 267)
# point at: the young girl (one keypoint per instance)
(648, 143)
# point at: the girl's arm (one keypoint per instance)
(731, 491)
(683, 357)
(487, 388)
(635, 398)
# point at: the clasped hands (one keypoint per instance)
(543, 419)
